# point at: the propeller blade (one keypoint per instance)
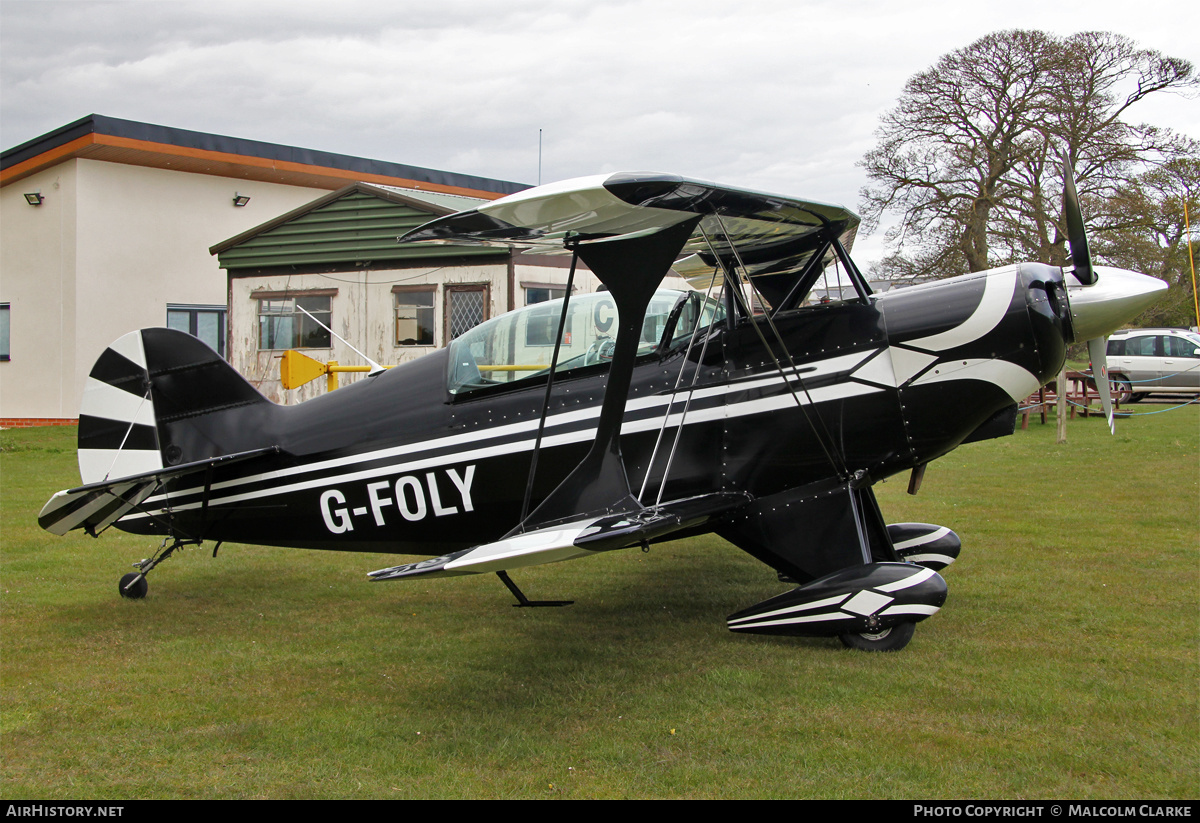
(1081, 258)
(1098, 351)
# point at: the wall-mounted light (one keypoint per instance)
(34, 198)
(239, 200)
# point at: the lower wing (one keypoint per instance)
(578, 538)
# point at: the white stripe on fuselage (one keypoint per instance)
(833, 365)
(1017, 381)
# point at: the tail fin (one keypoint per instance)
(160, 397)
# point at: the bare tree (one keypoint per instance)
(1142, 227)
(970, 156)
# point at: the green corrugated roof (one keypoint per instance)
(454, 202)
(355, 225)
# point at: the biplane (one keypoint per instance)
(617, 419)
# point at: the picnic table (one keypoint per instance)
(1080, 392)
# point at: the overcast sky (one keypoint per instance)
(773, 95)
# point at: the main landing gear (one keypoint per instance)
(885, 640)
(133, 585)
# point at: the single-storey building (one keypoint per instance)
(107, 225)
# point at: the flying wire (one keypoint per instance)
(691, 390)
(820, 431)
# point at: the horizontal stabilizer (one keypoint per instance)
(566, 541)
(96, 506)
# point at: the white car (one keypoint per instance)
(1158, 361)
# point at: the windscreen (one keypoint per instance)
(520, 345)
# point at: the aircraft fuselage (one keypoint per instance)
(397, 464)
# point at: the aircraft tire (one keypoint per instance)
(888, 640)
(139, 589)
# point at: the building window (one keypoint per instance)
(540, 294)
(205, 322)
(466, 308)
(4, 309)
(414, 315)
(539, 329)
(282, 324)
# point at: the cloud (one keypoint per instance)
(774, 95)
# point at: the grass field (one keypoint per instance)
(1065, 664)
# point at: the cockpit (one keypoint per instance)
(520, 345)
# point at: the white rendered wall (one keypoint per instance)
(37, 280)
(102, 256)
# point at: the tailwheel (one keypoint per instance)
(133, 586)
(887, 640)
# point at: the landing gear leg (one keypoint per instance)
(134, 585)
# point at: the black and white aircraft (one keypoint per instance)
(620, 418)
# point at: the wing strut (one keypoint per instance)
(860, 283)
(537, 445)
(804, 283)
(632, 266)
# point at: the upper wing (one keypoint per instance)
(775, 237)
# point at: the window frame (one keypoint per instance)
(555, 291)
(447, 299)
(6, 333)
(397, 292)
(1135, 346)
(194, 310)
(1174, 344)
(294, 295)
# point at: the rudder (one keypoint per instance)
(161, 397)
